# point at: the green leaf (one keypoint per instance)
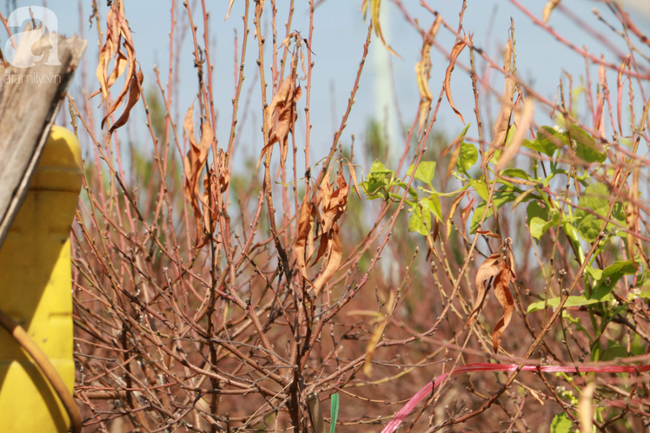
(412, 192)
(614, 350)
(468, 156)
(461, 136)
(499, 199)
(538, 226)
(610, 276)
(420, 220)
(547, 141)
(540, 219)
(432, 204)
(596, 274)
(378, 178)
(379, 168)
(515, 172)
(572, 301)
(561, 424)
(601, 292)
(334, 411)
(596, 198)
(480, 188)
(425, 172)
(586, 147)
(589, 226)
(570, 231)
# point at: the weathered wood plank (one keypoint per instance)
(29, 102)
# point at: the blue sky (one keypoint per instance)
(338, 38)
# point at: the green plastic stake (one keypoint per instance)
(334, 412)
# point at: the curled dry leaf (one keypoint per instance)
(502, 124)
(524, 123)
(488, 269)
(213, 186)
(464, 212)
(374, 19)
(452, 211)
(194, 162)
(423, 72)
(455, 52)
(353, 176)
(333, 260)
(376, 336)
(305, 228)
(281, 114)
(488, 233)
(117, 29)
(502, 269)
(501, 283)
(548, 9)
(333, 203)
(326, 208)
(229, 8)
(134, 96)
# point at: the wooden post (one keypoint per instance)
(29, 101)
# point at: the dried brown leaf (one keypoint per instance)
(229, 8)
(452, 211)
(552, 4)
(194, 162)
(374, 17)
(524, 123)
(502, 124)
(305, 227)
(488, 233)
(134, 96)
(489, 268)
(455, 52)
(423, 72)
(464, 213)
(503, 295)
(353, 176)
(117, 30)
(333, 259)
(376, 337)
(281, 116)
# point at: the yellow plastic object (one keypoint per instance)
(36, 290)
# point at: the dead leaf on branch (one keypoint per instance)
(546, 15)
(455, 52)
(376, 336)
(502, 124)
(194, 162)
(524, 123)
(323, 210)
(117, 29)
(306, 222)
(498, 271)
(502, 292)
(376, 23)
(281, 114)
(213, 186)
(423, 72)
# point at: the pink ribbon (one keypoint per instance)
(484, 366)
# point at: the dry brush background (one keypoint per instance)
(221, 294)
